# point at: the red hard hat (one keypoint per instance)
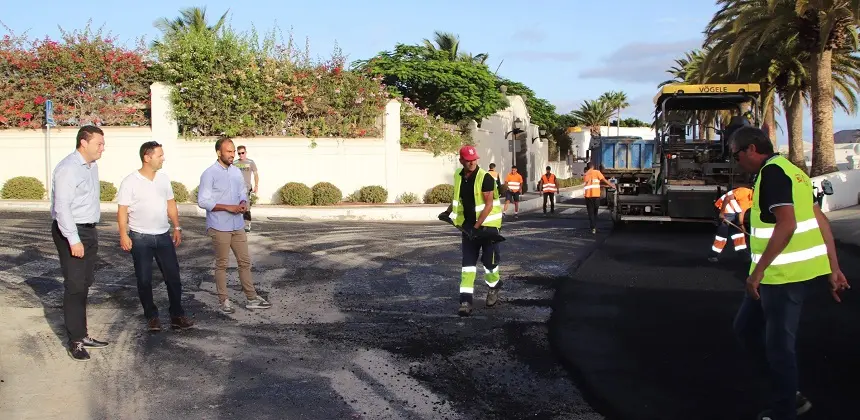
(468, 153)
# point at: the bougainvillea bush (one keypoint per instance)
(88, 76)
(424, 131)
(230, 83)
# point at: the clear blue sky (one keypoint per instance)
(565, 51)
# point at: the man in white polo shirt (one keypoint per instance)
(145, 201)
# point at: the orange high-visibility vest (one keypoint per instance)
(514, 182)
(549, 183)
(739, 200)
(592, 183)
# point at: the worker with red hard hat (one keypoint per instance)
(477, 211)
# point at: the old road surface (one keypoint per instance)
(363, 326)
(634, 323)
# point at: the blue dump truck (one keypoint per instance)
(678, 176)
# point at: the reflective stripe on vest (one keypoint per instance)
(592, 184)
(733, 206)
(549, 184)
(494, 219)
(805, 256)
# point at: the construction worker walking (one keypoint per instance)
(548, 189)
(514, 185)
(495, 175)
(592, 181)
(732, 205)
(477, 211)
(791, 243)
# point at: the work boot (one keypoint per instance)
(492, 296)
(153, 325)
(180, 322)
(465, 309)
(803, 405)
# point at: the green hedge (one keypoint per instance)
(180, 193)
(326, 194)
(23, 188)
(108, 191)
(297, 194)
(373, 194)
(442, 193)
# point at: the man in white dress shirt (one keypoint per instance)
(75, 210)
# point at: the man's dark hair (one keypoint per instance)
(492, 166)
(240, 148)
(86, 133)
(514, 167)
(589, 165)
(549, 168)
(221, 141)
(744, 137)
(148, 148)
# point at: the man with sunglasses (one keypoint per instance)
(790, 244)
(247, 166)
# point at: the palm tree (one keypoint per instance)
(192, 19)
(617, 101)
(593, 114)
(450, 42)
(822, 28)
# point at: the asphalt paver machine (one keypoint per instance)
(693, 165)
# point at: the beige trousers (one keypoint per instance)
(223, 242)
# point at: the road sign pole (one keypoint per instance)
(49, 121)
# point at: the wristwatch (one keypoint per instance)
(179, 228)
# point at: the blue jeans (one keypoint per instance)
(143, 248)
(767, 329)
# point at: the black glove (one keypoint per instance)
(445, 217)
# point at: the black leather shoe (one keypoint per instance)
(93, 343)
(77, 352)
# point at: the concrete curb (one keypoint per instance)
(387, 213)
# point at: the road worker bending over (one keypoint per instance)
(732, 205)
(476, 210)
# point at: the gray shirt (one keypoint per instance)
(248, 167)
(75, 195)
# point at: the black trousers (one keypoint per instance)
(591, 205)
(247, 215)
(78, 276)
(551, 198)
(489, 255)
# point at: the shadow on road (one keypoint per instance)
(644, 328)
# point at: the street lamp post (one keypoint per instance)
(517, 129)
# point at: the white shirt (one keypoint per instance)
(146, 201)
(75, 196)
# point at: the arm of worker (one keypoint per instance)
(64, 193)
(605, 182)
(723, 209)
(123, 199)
(205, 199)
(487, 189)
(256, 176)
(838, 282)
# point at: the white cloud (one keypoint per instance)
(641, 62)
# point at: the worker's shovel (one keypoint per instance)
(740, 228)
(479, 234)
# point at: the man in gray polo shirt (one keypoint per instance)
(223, 195)
(144, 203)
(248, 168)
(75, 209)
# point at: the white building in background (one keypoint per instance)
(847, 154)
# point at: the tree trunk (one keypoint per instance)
(794, 121)
(769, 121)
(823, 156)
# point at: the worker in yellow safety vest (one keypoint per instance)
(476, 209)
(732, 206)
(548, 188)
(791, 243)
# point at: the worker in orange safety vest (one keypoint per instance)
(548, 188)
(592, 181)
(732, 205)
(514, 186)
